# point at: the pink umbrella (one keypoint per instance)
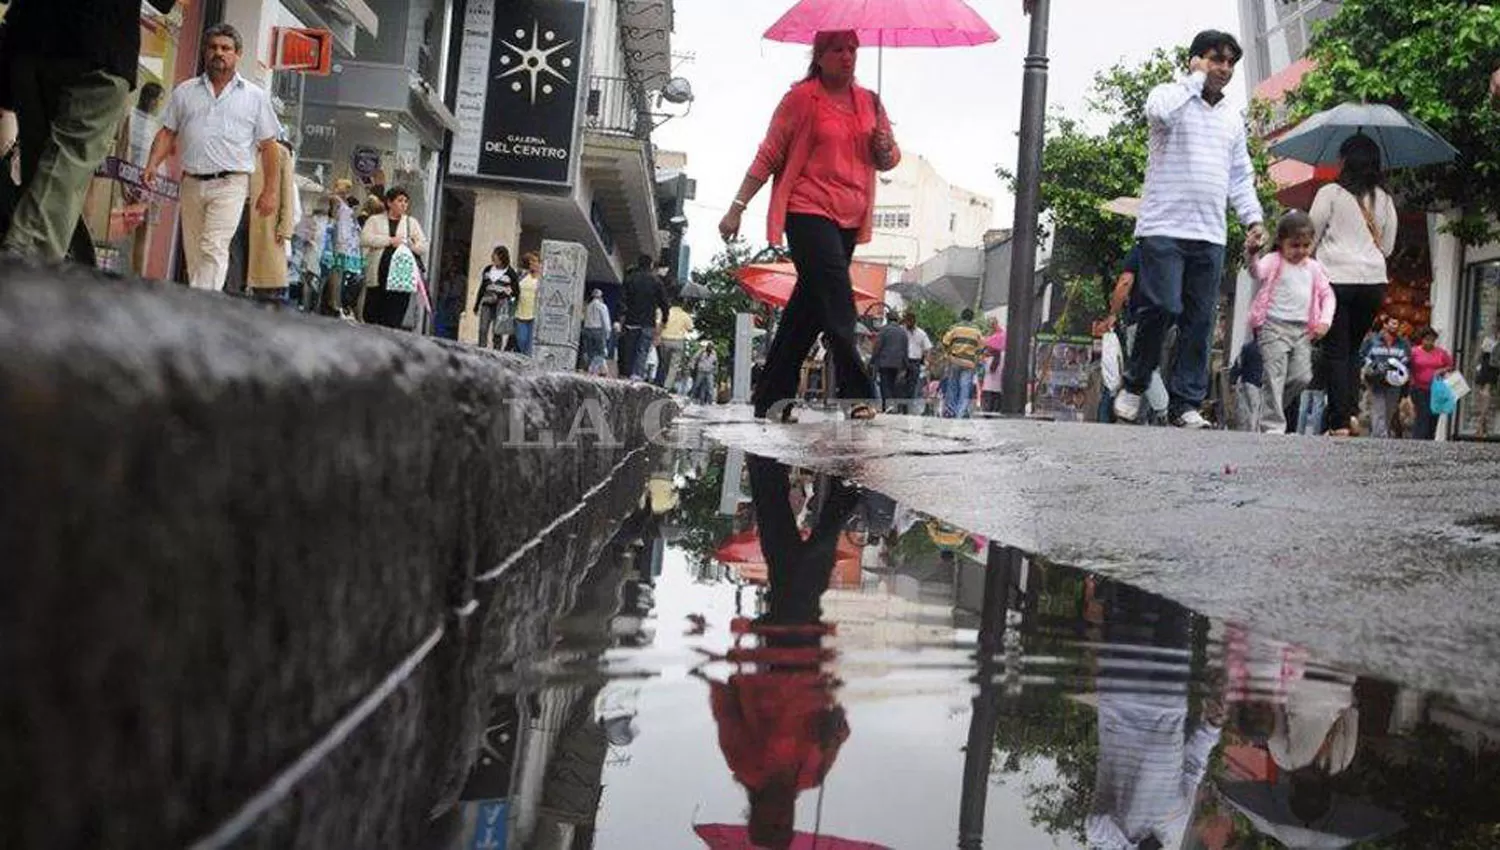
(886, 23)
(723, 836)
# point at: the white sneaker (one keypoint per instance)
(1127, 406)
(1191, 421)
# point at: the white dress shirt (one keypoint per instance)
(220, 133)
(1198, 162)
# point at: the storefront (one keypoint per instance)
(1477, 334)
(135, 230)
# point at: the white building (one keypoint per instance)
(918, 214)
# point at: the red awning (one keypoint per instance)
(1275, 87)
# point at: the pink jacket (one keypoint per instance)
(788, 144)
(1268, 272)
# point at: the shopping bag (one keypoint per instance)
(1442, 401)
(403, 274)
(1458, 384)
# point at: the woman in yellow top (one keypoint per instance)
(531, 280)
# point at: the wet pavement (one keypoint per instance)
(772, 656)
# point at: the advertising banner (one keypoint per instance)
(519, 77)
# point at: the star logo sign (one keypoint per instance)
(536, 61)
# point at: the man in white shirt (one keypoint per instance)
(217, 122)
(918, 344)
(1198, 160)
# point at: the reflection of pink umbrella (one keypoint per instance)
(723, 836)
(886, 23)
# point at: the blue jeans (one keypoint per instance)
(592, 343)
(958, 390)
(1178, 284)
(523, 335)
(635, 350)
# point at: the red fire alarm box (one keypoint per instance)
(307, 50)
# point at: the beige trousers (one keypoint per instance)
(211, 211)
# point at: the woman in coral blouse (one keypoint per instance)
(827, 139)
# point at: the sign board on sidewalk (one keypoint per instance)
(559, 304)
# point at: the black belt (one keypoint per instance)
(217, 175)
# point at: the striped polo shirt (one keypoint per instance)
(1198, 162)
(963, 343)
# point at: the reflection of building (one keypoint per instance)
(559, 146)
(1434, 279)
(918, 214)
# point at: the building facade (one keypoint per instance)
(1275, 33)
(919, 214)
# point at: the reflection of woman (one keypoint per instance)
(526, 291)
(384, 234)
(1355, 220)
(780, 726)
(826, 141)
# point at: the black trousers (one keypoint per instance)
(821, 302)
(1358, 305)
(386, 308)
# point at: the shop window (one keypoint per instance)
(133, 230)
(1478, 351)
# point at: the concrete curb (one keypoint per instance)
(224, 526)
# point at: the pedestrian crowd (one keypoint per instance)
(1320, 337)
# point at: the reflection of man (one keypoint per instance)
(1150, 763)
(780, 727)
(217, 121)
(70, 69)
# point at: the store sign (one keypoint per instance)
(307, 50)
(519, 70)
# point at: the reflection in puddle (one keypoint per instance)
(765, 657)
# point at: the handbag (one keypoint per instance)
(882, 159)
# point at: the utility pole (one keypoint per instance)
(1020, 318)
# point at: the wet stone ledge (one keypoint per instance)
(258, 567)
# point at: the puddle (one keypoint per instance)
(772, 658)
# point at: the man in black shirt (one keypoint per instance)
(68, 72)
(644, 298)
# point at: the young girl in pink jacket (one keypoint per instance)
(1292, 309)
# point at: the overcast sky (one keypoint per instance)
(957, 107)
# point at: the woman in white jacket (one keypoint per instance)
(383, 234)
(1355, 231)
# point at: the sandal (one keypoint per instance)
(862, 413)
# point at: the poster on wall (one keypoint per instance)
(1062, 376)
(517, 103)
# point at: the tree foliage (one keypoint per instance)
(1082, 170)
(713, 318)
(1433, 60)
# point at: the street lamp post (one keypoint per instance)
(1028, 204)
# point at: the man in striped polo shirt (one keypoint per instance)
(964, 345)
(1198, 161)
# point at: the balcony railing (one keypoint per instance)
(618, 106)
